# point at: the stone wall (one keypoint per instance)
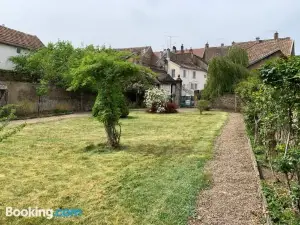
(8, 75)
(227, 102)
(24, 94)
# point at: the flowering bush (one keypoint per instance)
(156, 101)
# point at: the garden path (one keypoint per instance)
(233, 198)
(51, 118)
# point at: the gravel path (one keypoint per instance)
(233, 198)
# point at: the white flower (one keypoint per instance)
(157, 97)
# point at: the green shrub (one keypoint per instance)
(25, 108)
(202, 105)
(124, 108)
(8, 111)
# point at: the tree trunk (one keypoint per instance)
(113, 136)
(39, 104)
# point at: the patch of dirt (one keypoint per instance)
(233, 198)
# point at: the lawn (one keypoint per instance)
(154, 179)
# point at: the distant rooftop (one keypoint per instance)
(19, 39)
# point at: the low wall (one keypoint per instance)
(227, 102)
(24, 94)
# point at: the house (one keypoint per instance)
(13, 43)
(148, 58)
(189, 67)
(259, 51)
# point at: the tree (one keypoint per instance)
(51, 65)
(104, 71)
(238, 56)
(109, 72)
(224, 72)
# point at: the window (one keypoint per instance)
(18, 50)
(194, 74)
(195, 86)
(173, 73)
(192, 86)
(184, 73)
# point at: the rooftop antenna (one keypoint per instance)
(170, 40)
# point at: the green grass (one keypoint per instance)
(154, 179)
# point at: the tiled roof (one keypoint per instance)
(196, 51)
(212, 52)
(188, 61)
(162, 76)
(157, 54)
(258, 50)
(19, 39)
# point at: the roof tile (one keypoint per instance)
(19, 39)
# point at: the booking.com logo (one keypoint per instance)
(48, 213)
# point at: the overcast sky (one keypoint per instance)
(133, 23)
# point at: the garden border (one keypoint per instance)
(260, 192)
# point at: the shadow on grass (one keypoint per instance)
(102, 148)
(160, 150)
(129, 118)
(207, 114)
(141, 149)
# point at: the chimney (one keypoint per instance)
(257, 39)
(206, 45)
(174, 49)
(222, 44)
(191, 50)
(276, 35)
(233, 43)
(168, 53)
(182, 48)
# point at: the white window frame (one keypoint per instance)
(173, 73)
(194, 74)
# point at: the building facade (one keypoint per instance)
(13, 43)
(193, 79)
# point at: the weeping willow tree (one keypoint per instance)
(224, 72)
